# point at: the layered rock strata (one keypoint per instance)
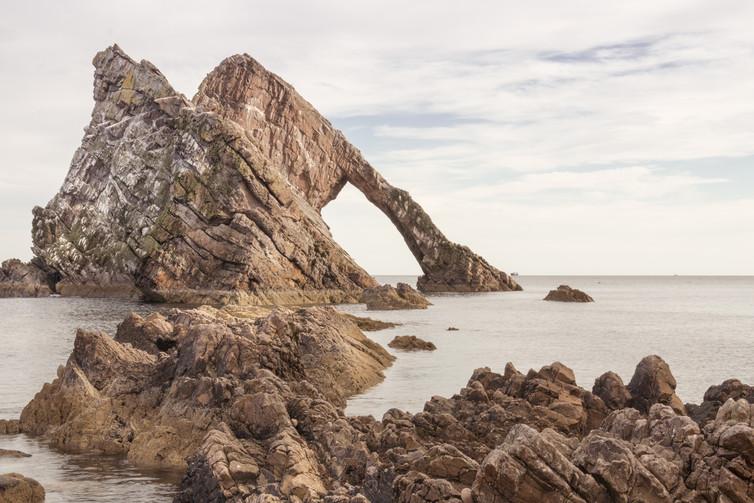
(219, 199)
(252, 408)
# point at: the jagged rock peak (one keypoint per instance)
(219, 199)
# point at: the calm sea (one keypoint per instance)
(702, 326)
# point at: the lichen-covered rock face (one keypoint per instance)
(389, 298)
(15, 488)
(19, 279)
(219, 200)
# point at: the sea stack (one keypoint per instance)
(218, 199)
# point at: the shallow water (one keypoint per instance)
(703, 327)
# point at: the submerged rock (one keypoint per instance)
(411, 343)
(15, 488)
(218, 199)
(565, 293)
(370, 325)
(388, 297)
(19, 279)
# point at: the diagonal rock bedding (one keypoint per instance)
(218, 199)
(251, 407)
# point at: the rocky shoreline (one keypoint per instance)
(252, 407)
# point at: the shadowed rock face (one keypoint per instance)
(219, 200)
(175, 202)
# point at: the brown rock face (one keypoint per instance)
(15, 488)
(219, 200)
(411, 343)
(565, 293)
(388, 298)
(19, 279)
(319, 160)
(654, 383)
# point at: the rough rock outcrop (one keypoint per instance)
(256, 404)
(9, 426)
(15, 488)
(219, 199)
(411, 343)
(662, 457)
(388, 297)
(716, 396)
(653, 383)
(19, 279)
(220, 371)
(565, 293)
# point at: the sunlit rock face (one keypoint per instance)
(219, 199)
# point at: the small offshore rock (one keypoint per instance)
(388, 297)
(15, 488)
(411, 343)
(369, 324)
(565, 293)
(452, 329)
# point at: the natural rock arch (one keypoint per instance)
(219, 198)
(319, 160)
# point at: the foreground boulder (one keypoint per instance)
(411, 343)
(388, 297)
(15, 488)
(218, 199)
(20, 279)
(565, 293)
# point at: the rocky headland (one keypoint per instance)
(252, 408)
(565, 293)
(218, 199)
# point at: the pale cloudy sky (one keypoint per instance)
(579, 137)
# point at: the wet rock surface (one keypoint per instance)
(565, 293)
(411, 343)
(252, 407)
(369, 324)
(15, 488)
(388, 297)
(218, 199)
(10, 453)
